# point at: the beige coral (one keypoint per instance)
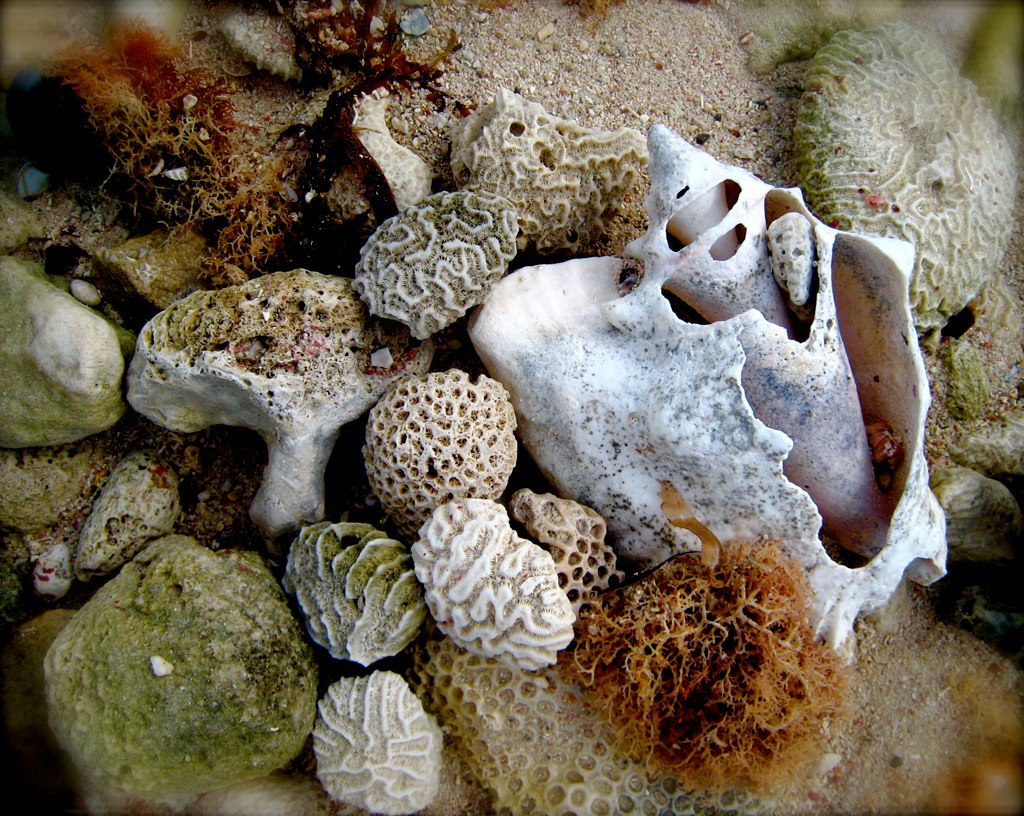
(435, 438)
(574, 535)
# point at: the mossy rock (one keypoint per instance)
(186, 672)
(967, 386)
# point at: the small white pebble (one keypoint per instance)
(189, 101)
(828, 762)
(161, 667)
(382, 358)
(545, 32)
(85, 292)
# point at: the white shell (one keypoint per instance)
(375, 746)
(615, 393)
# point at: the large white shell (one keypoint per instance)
(747, 415)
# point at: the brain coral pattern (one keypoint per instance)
(426, 266)
(564, 179)
(375, 746)
(574, 535)
(891, 140)
(435, 438)
(540, 747)
(489, 590)
(357, 589)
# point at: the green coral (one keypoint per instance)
(185, 672)
(967, 387)
(357, 588)
(891, 140)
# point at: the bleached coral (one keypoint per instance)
(408, 176)
(435, 438)
(357, 590)
(375, 746)
(426, 266)
(564, 179)
(288, 355)
(574, 535)
(489, 590)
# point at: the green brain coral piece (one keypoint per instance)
(891, 140)
(357, 588)
(185, 672)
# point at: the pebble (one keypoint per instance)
(85, 292)
(415, 22)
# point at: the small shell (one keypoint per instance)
(176, 174)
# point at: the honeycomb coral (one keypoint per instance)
(712, 673)
(564, 179)
(534, 740)
(890, 140)
(492, 592)
(438, 437)
(375, 746)
(574, 535)
(357, 590)
(426, 266)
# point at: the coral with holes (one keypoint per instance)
(357, 590)
(438, 437)
(574, 535)
(489, 590)
(426, 266)
(891, 140)
(540, 747)
(565, 179)
(288, 355)
(712, 672)
(376, 748)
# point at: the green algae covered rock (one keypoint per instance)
(967, 386)
(357, 588)
(890, 140)
(186, 672)
(62, 362)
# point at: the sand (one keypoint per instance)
(936, 713)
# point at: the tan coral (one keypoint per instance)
(435, 438)
(565, 179)
(574, 535)
(489, 590)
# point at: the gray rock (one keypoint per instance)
(997, 449)
(138, 503)
(18, 223)
(62, 362)
(983, 520)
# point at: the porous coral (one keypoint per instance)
(711, 673)
(375, 746)
(357, 590)
(574, 536)
(429, 264)
(540, 747)
(891, 140)
(565, 179)
(438, 437)
(489, 590)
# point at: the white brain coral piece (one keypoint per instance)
(564, 179)
(426, 266)
(375, 746)
(408, 175)
(489, 590)
(357, 590)
(435, 438)
(574, 535)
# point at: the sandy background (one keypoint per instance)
(937, 713)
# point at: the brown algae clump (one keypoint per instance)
(711, 671)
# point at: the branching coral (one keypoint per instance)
(711, 671)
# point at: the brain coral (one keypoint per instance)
(889, 139)
(492, 592)
(185, 672)
(434, 260)
(357, 590)
(375, 746)
(574, 535)
(435, 438)
(534, 740)
(564, 179)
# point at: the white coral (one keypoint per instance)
(564, 179)
(426, 266)
(409, 177)
(489, 590)
(375, 746)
